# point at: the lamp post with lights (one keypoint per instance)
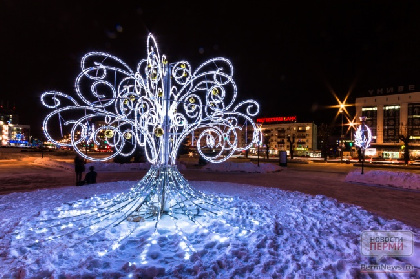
(341, 111)
(351, 126)
(362, 138)
(259, 142)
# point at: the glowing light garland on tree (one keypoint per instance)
(363, 135)
(156, 107)
(362, 138)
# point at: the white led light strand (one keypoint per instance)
(141, 106)
(363, 136)
(155, 107)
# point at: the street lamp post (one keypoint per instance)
(351, 126)
(351, 140)
(258, 154)
(259, 142)
(341, 137)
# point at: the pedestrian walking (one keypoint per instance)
(79, 168)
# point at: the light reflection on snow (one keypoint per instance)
(183, 245)
(102, 253)
(297, 226)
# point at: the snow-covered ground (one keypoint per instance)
(406, 180)
(261, 233)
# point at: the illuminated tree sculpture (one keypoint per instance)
(362, 138)
(156, 107)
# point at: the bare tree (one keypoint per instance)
(404, 136)
(267, 139)
(291, 140)
(324, 133)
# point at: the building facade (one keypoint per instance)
(389, 117)
(285, 133)
(275, 134)
(14, 135)
(11, 133)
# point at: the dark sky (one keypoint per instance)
(287, 54)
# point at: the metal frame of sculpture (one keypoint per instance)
(155, 107)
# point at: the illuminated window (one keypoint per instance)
(413, 122)
(371, 119)
(391, 124)
(371, 108)
(391, 107)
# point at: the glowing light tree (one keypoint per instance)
(362, 138)
(155, 107)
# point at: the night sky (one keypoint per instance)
(288, 56)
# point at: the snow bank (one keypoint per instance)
(51, 163)
(288, 235)
(406, 180)
(243, 167)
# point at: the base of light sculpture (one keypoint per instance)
(132, 225)
(162, 191)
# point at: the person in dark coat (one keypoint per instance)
(90, 177)
(79, 167)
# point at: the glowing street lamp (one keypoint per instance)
(351, 127)
(341, 111)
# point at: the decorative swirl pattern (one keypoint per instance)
(363, 136)
(155, 107)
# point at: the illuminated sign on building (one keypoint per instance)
(277, 119)
(19, 141)
(391, 90)
(370, 151)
